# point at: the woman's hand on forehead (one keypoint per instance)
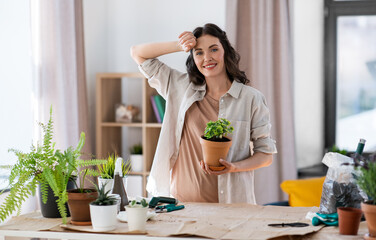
(187, 41)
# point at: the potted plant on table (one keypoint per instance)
(80, 198)
(136, 158)
(215, 145)
(103, 211)
(137, 215)
(107, 171)
(46, 166)
(367, 182)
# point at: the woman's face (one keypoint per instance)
(208, 55)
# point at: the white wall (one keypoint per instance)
(308, 76)
(113, 26)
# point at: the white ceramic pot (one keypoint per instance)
(110, 183)
(103, 218)
(136, 217)
(137, 162)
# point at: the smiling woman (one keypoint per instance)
(213, 88)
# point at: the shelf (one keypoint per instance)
(137, 124)
(111, 89)
(117, 124)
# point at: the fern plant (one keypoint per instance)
(46, 166)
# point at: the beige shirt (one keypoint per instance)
(244, 106)
(189, 183)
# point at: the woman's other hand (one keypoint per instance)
(229, 167)
(187, 41)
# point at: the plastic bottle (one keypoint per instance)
(359, 149)
(119, 185)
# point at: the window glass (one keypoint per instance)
(356, 82)
(16, 119)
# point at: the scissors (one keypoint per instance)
(295, 224)
(168, 208)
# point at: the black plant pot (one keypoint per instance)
(50, 209)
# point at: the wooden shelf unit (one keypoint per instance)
(109, 133)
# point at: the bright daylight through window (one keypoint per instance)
(16, 119)
(356, 81)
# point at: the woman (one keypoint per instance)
(213, 88)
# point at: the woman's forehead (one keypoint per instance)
(205, 41)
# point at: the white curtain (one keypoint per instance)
(261, 33)
(59, 69)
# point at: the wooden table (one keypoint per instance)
(229, 221)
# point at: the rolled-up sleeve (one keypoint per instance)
(261, 127)
(159, 75)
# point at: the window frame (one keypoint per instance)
(334, 9)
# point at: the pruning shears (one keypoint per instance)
(168, 208)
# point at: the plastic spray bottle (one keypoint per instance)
(119, 185)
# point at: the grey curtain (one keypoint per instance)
(59, 69)
(261, 33)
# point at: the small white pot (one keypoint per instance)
(103, 218)
(110, 183)
(137, 162)
(136, 217)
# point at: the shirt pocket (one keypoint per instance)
(241, 135)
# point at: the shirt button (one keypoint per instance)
(221, 191)
(222, 100)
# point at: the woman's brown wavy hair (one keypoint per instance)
(231, 57)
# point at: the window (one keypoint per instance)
(350, 74)
(16, 124)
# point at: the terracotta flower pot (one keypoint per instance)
(369, 211)
(79, 206)
(349, 219)
(213, 151)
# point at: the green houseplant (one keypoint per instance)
(366, 180)
(103, 211)
(136, 158)
(137, 215)
(80, 198)
(215, 145)
(107, 171)
(46, 166)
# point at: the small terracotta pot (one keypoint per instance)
(79, 206)
(213, 151)
(348, 220)
(370, 215)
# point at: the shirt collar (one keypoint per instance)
(199, 87)
(234, 90)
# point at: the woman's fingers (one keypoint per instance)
(204, 166)
(187, 41)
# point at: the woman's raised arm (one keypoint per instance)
(142, 52)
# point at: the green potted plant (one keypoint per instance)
(103, 211)
(137, 215)
(136, 158)
(80, 198)
(47, 166)
(215, 145)
(107, 171)
(366, 180)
